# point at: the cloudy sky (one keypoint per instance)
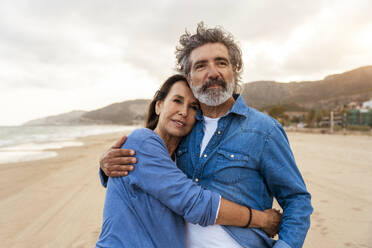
(58, 56)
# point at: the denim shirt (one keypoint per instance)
(249, 161)
(147, 208)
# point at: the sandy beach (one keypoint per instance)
(58, 202)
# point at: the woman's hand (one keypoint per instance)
(271, 222)
(116, 162)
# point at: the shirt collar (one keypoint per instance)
(239, 108)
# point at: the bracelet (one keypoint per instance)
(250, 217)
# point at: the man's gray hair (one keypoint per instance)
(203, 36)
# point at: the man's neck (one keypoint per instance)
(217, 111)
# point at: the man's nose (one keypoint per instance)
(212, 71)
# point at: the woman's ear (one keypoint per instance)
(158, 107)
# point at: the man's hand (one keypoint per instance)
(272, 222)
(116, 162)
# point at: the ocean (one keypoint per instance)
(24, 143)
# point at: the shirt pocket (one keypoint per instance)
(232, 167)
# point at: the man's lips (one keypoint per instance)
(214, 86)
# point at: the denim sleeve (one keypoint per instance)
(158, 175)
(285, 182)
(103, 178)
(281, 244)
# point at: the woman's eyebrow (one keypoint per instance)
(179, 96)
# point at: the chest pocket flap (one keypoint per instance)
(232, 156)
(232, 167)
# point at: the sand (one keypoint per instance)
(58, 202)
(338, 172)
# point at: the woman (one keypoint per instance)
(147, 208)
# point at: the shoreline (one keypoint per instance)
(55, 202)
(21, 144)
(58, 202)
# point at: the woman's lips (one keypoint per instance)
(179, 123)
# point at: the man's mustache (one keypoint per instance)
(211, 82)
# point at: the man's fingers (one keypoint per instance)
(120, 168)
(118, 173)
(122, 161)
(270, 232)
(127, 152)
(120, 142)
(120, 153)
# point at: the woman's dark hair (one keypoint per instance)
(152, 118)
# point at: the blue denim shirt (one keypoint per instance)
(248, 160)
(147, 208)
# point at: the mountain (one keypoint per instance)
(126, 113)
(332, 91)
(69, 118)
(123, 113)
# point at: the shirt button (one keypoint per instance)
(205, 155)
(196, 179)
(232, 156)
(218, 132)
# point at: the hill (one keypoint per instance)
(123, 113)
(126, 113)
(332, 91)
(69, 118)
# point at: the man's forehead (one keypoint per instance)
(209, 51)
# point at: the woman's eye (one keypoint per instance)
(196, 108)
(177, 100)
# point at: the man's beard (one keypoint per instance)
(215, 96)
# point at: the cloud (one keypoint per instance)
(113, 50)
(328, 42)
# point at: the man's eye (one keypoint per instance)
(222, 63)
(177, 100)
(199, 66)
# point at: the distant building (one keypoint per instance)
(361, 117)
(367, 104)
(338, 120)
(353, 105)
(292, 114)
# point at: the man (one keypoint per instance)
(232, 148)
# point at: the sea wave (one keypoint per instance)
(24, 143)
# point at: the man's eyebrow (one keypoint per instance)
(221, 58)
(201, 62)
(216, 59)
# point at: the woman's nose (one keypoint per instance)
(183, 110)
